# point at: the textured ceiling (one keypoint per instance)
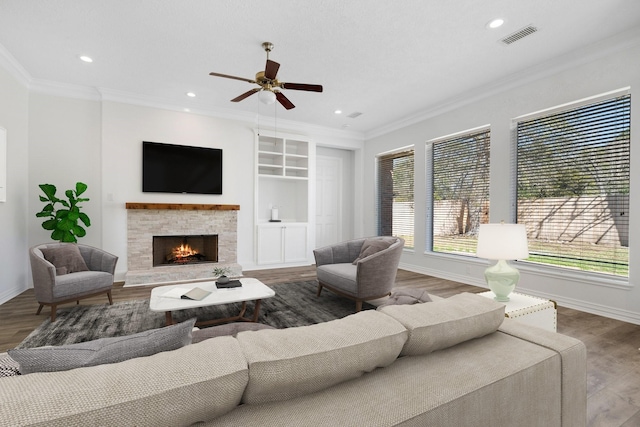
(387, 60)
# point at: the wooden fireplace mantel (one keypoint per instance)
(182, 206)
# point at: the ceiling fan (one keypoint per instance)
(269, 85)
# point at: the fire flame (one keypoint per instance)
(183, 251)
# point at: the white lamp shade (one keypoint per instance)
(502, 241)
(267, 96)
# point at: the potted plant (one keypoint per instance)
(63, 221)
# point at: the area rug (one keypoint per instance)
(295, 304)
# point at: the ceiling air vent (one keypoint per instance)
(354, 115)
(520, 34)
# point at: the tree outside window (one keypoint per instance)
(395, 196)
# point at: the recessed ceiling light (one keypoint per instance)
(337, 112)
(186, 110)
(85, 58)
(191, 94)
(495, 23)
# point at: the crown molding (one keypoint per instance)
(48, 87)
(601, 49)
(255, 120)
(13, 67)
(64, 90)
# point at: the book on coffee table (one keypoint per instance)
(196, 294)
(229, 284)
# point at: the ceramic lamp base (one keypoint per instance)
(502, 279)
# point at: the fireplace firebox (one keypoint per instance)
(182, 250)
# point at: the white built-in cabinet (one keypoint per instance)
(282, 243)
(283, 167)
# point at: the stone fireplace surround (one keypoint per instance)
(145, 220)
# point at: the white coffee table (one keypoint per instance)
(251, 290)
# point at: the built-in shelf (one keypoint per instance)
(282, 183)
(283, 157)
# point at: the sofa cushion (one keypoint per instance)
(103, 350)
(65, 258)
(447, 322)
(195, 383)
(374, 244)
(285, 363)
(493, 381)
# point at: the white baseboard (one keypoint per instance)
(587, 307)
(12, 293)
(250, 267)
(474, 281)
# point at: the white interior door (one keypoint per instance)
(328, 200)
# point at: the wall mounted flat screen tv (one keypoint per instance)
(168, 168)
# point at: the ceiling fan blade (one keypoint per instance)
(271, 69)
(246, 95)
(302, 86)
(226, 76)
(284, 101)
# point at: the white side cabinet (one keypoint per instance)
(533, 311)
(280, 243)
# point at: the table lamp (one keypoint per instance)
(502, 242)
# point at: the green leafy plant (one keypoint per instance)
(221, 271)
(63, 220)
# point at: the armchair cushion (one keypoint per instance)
(341, 276)
(67, 259)
(374, 244)
(103, 350)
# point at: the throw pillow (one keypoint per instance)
(373, 245)
(8, 366)
(232, 329)
(103, 350)
(407, 296)
(65, 258)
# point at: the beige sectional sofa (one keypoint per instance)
(451, 362)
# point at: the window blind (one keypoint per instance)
(572, 193)
(395, 196)
(460, 191)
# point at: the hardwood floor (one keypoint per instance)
(613, 354)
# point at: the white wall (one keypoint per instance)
(64, 148)
(124, 127)
(610, 72)
(14, 100)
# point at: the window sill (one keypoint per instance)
(540, 270)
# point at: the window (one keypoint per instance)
(459, 186)
(395, 195)
(572, 193)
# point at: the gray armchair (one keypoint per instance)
(68, 277)
(347, 270)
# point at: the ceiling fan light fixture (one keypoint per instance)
(267, 96)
